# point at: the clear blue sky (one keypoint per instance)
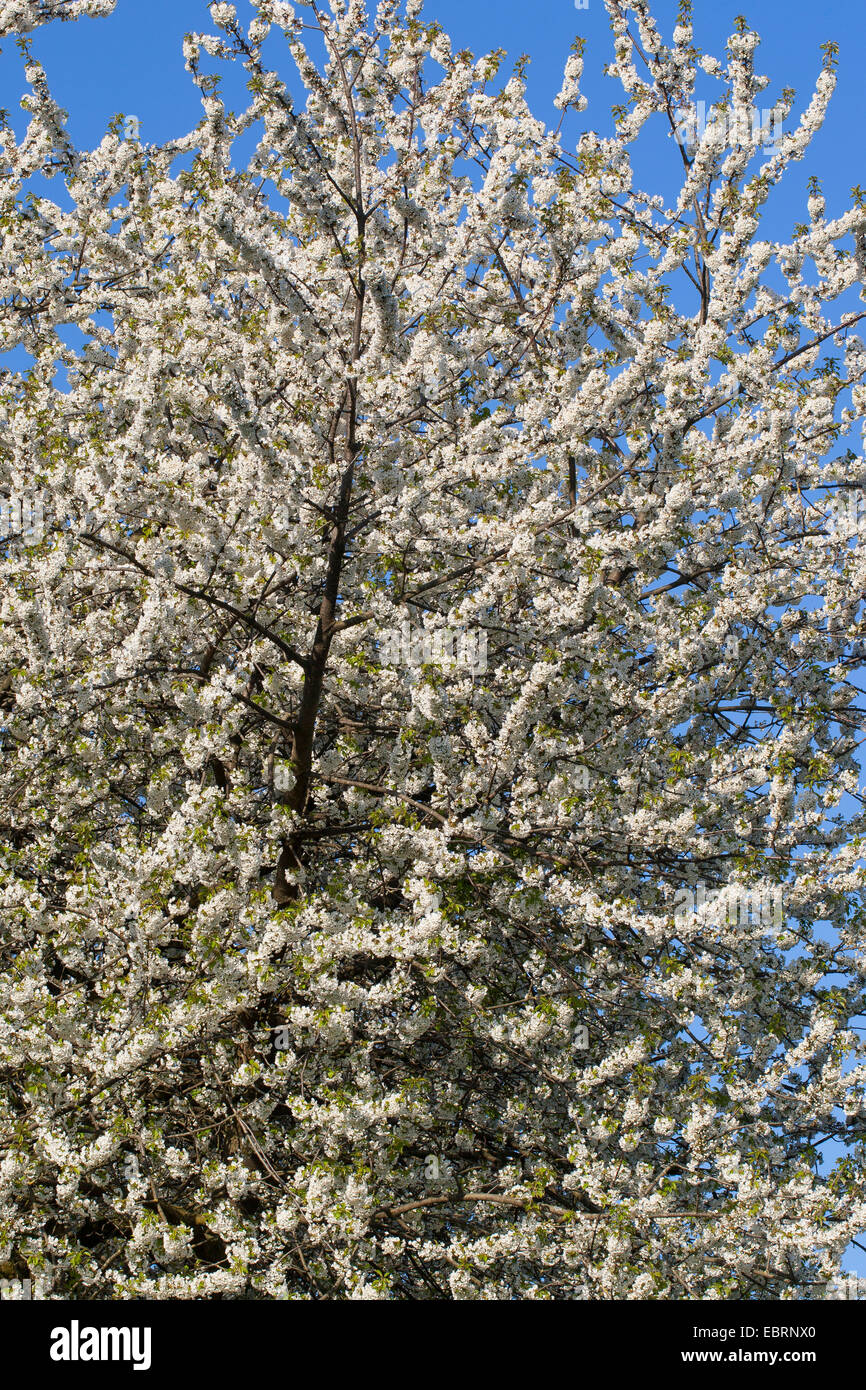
(132, 63)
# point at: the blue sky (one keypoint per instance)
(132, 63)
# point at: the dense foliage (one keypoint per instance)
(427, 701)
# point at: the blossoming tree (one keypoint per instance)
(329, 976)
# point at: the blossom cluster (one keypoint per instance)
(322, 982)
